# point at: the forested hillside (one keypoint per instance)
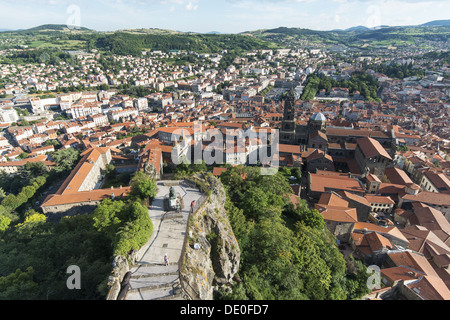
(286, 251)
(362, 82)
(357, 36)
(133, 44)
(36, 252)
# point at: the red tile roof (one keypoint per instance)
(372, 148)
(322, 183)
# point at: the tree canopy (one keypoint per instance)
(286, 251)
(143, 186)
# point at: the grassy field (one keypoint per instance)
(63, 45)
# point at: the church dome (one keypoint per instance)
(318, 116)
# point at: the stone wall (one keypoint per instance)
(212, 253)
(55, 213)
(95, 174)
(120, 269)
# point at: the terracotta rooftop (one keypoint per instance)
(430, 288)
(430, 218)
(339, 214)
(397, 176)
(372, 178)
(356, 133)
(40, 158)
(318, 134)
(425, 241)
(289, 148)
(85, 196)
(432, 198)
(74, 181)
(400, 273)
(393, 231)
(318, 154)
(439, 180)
(372, 148)
(322, 183)
(354, 197)
(412, 260)
(153, 156)
(332, 199)
(377, 242)
(217, 171)
(379, 199)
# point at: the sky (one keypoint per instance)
(225, 16)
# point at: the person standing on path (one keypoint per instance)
(192, 206)
(166, 260)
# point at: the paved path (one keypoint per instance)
(151, 279)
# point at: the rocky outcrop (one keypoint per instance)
(120, 269)
(212, 252)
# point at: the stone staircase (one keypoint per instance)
(149, 279)
(155, 282)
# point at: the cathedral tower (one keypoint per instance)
(287, 133)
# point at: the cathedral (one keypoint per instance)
(341, 146)
(292, 133)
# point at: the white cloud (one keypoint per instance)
(191, 7)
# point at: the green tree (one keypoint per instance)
(22, 156)
(65, 159)
(108, 216)
(143, 186)
(10, 201)
(34, 169)
(4, 223)
(36, 217)
(286, 252)
(199, 167)
(135, 232)
(18, 285)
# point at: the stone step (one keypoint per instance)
(173, 216)
(151, 264)
(171, 297)
(153, 275)
(153, 270)
(166, 293)
(150, 283)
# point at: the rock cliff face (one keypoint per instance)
(120, 269)
(212, 251)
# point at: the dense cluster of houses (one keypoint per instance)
(378, 173)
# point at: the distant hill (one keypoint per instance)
(360, 36)
(437, 23)
(50, 28)
(154, 31)
(131, 43)
(134, 41)
(358, 28)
